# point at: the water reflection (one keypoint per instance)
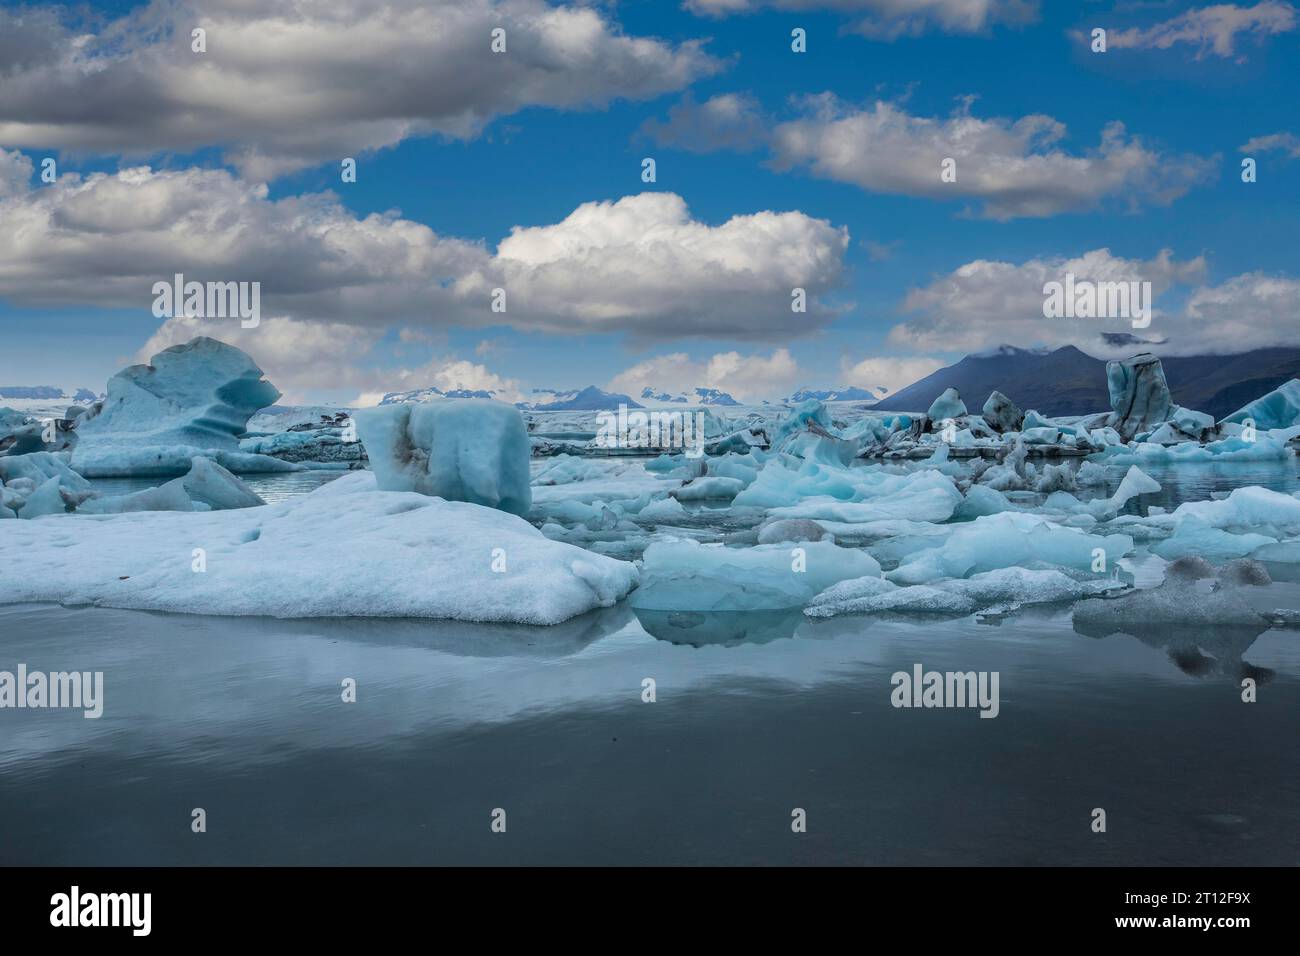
(722, 628)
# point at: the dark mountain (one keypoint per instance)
(1070, 382)
(1064, 382)
(1220, 384)
(590, 398)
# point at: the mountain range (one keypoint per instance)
(839, 393)
(1066, 381)
(695, 396)
(587, 399)
(46, 392)
(432, 392)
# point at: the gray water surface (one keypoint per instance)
(244, 718)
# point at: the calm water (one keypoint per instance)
(244, 719)
(755, 715)
(273, 487)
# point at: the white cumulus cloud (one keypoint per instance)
(641, 264)
(285, 84)
(1015, 168)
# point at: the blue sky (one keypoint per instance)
(1187, 107)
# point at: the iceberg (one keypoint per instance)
(1002, 414)
(1139, 395)
(1192, 595)
(170, 496)
(22, 435)
(947, 405)
(684, 575)
(424, 558)
(1280, 408)
(472, 449)
(1009, 539)
(705, 489)
(808, 433)
(192, 400)
(207, 482)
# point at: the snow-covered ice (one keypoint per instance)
(421, 557)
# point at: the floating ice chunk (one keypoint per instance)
(1139, 395)
(47, 499)
(217, 488)
(325, 444)
(1280, 408)
(742, 467)
(702, 489)
(688, 576)
(1136, 482)
(170, 496)
(1004, 587)
(1194, 536)
(981, 500)
(608, 480)
(563, 469)
(472, 449)
(1091, 473)
(662, 510)
(1247, 508)
(39, 467)
(665, 463)
(1281, 552)
(790, 529)
(1009, 539)
(928, 496)
(947, 405)
(807, 432)
(778, 485)
(1102, 437)
(423, 557)
(1185, 598)
(24, 436)
(1192, 423)
(1002, 414)
(1054, 478)
(1046, 435)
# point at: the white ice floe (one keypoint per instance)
(1193, 594)
(1232, 527)
(1010, 539)
(421, 557)
(1003, 588)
